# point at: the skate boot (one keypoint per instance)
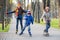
(16, 31)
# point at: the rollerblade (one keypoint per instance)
(16, 31)
(45, 33)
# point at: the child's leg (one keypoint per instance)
(47, 27)
(17, 25)
(22, 30)
(21, 24)
(29, 30)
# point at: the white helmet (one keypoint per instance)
(28, 10)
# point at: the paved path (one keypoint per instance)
(37, 33)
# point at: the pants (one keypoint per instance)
(28, 30)
(47, 27)
(17, 21)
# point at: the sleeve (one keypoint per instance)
(25, 11)
(43, 15)
(25, 18)
(50, 16)
(32, 19)
(11, 12)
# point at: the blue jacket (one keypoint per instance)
(28, 19)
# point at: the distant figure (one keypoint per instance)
(29, 19)
(19, 13)
(47, 17)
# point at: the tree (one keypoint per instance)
(59, 12)
(46, 3)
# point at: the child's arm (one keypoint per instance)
(32, 19)
(25, 11)
(43, 16)
(11, 12)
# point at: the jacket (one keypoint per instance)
(28, 19)
(18, 11)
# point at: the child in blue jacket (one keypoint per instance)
(29, 19)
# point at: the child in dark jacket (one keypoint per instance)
(28, 20)
(19, 14)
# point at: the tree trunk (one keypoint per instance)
(59, 16)
(59, 12)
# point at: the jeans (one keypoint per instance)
(47, 27)
(28, 30)
(17, 21)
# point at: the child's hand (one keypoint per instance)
(32, 22)
(6, 13)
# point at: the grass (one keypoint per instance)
(5, 28)
(54, 23)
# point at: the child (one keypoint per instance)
(29, 20)
(19, 13)
(47, 19)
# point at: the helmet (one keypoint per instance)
(28, 12)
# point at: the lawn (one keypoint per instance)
(5, 29)
(54, 23)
